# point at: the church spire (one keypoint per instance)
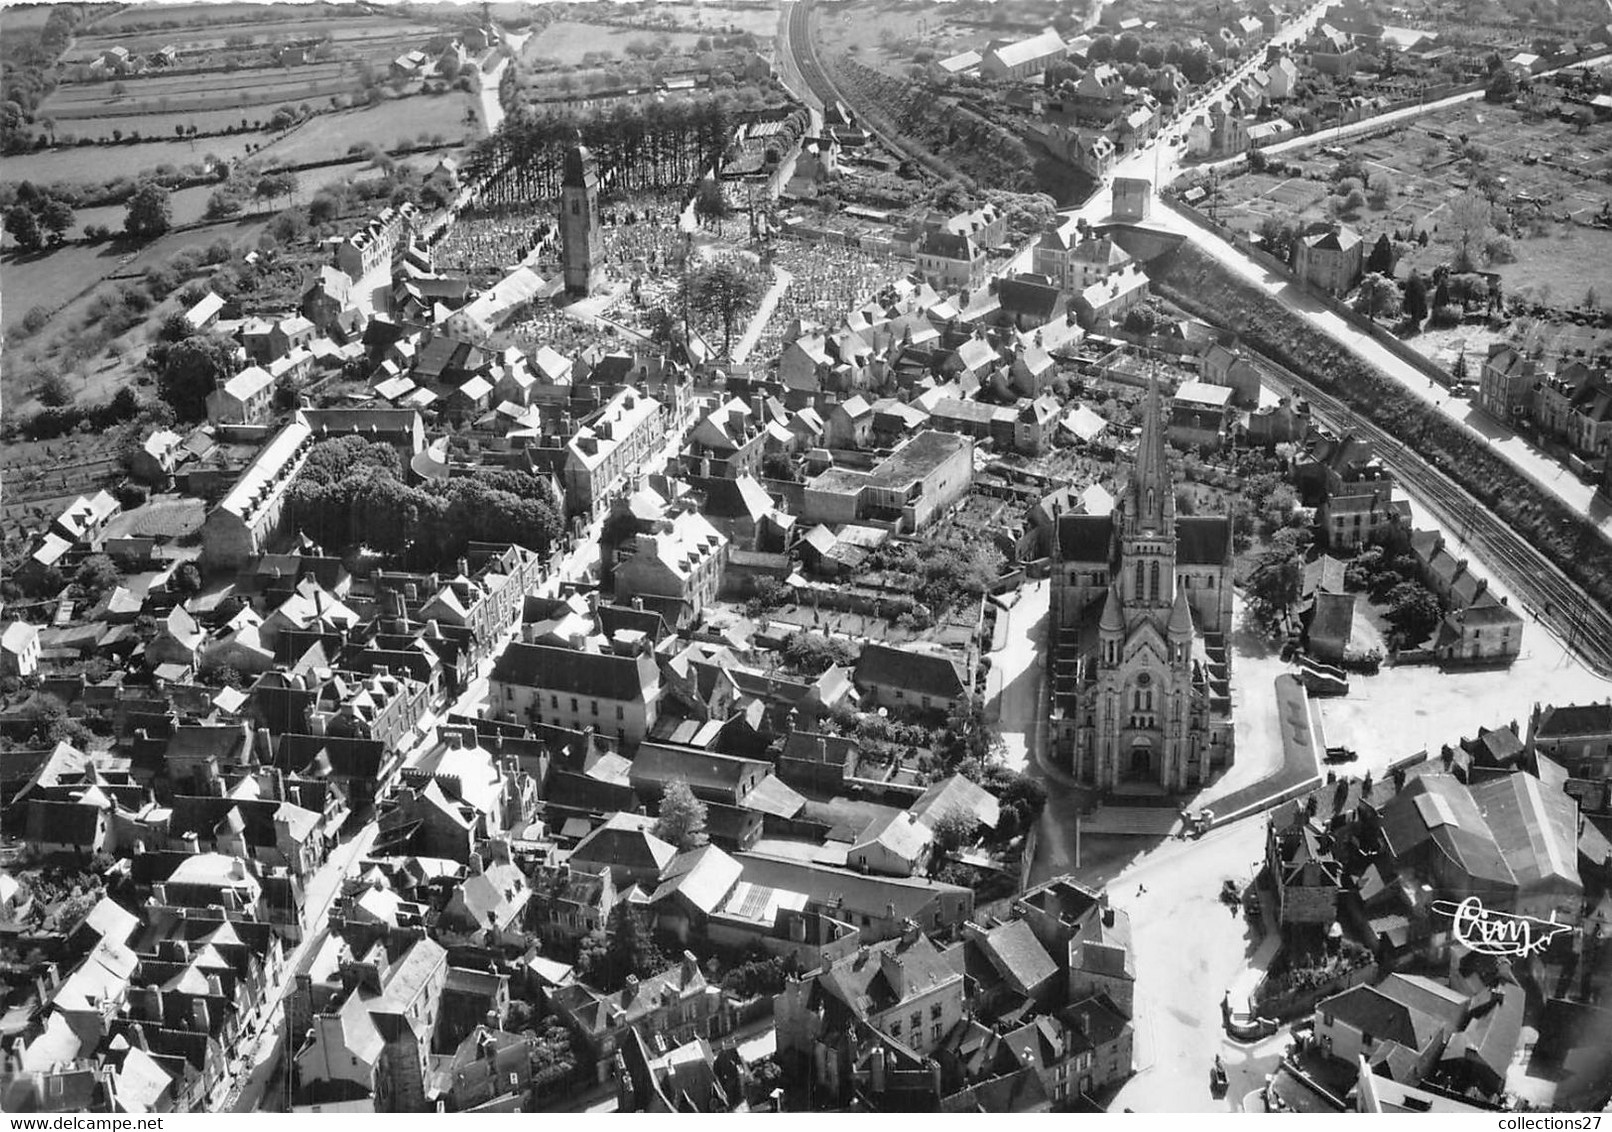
(1150, 504)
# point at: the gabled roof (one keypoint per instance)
(957, 793)
(562, 670)
(916, 673)
(625, 842)
(701, 876)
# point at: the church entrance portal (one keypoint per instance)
(1141, 763)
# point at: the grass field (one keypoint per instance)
(51, 278)
(98, 163)
(566, 41)
(16, 19)
(387, 124)
(259, 88)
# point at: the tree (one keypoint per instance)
(726, 289)
(1414, 611)
(1502, 86)
(682, 817)
(954, 829)
(56, 217)
(1381, 259)
(1498, 249)
(186, 580)
(630, 950)
(175, 327)
(778, 466)
(1381, 189)
(150, 212)
(97, 574)
(1378, 297)
(187, 371)
(1416, 299)
(1279, 237)
(1275, 583)
(710, 202)
(23, 227)
(221, 203)
(1469, 221)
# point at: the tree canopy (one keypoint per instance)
(681, 821)
(150, 213)
(190, 369)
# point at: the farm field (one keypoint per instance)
(1552, 177)
(388, 124)
(199, 91)
(565, 42)
(98, 163)
(353, 32)
(163, 125)
(171, 16)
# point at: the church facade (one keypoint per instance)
(1141, 607)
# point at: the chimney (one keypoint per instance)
(476, 867)
(265, 746)
(137, 1037)
(630, 991)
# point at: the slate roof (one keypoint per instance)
(660, 765)
(957, 793)
(1575, 719)
(859, 893)
(1086, 538)
(1383, 1016)
(701, 876)
(622, 841)
(1535, 828)
(915, 673)
(1017, 955)
(1436, 808)
(1202, 540)
(569, 671)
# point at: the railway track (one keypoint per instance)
(828, 93)
(1547, 594)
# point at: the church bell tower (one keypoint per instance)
(581, 241)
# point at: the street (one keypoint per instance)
(260, 1052)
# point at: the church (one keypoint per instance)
(1141, 608)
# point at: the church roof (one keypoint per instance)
(1202, 540)
(1113, 619)
(1085, 538)
(1180, 613)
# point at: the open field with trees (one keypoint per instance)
(390, 124)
